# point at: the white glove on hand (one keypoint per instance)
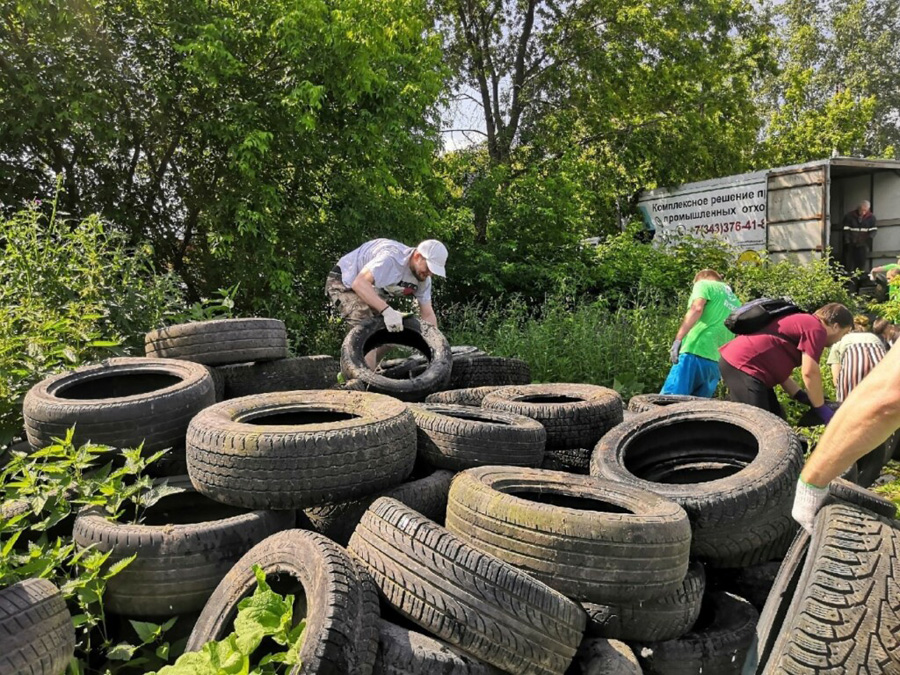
(807, 502)
(674, 351)
(393, 320)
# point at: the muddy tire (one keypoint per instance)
(574, 415)
(470, 396)
(459, 437)
(407, 652)
(421, 336)
(427, 496)
(644, 402)
(36, 632)
(577, 534)
(185, 546)
(468, 598)
(663, 617)
(341, 636)
(121, 402)
(220, 341)
(753, 583)
(292, 450)
(731, 466)
(304, 372)
(598, 656)
(834, 606)
(415, 365)
(718, 643)
(488, 371)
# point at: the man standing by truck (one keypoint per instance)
(859, 231)
(695, 352)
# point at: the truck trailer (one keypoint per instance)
(790, 211)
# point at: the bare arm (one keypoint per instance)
(691, 317)
(427, 312)
(790, 387)
(868, 416)
(812, 378)
(364, 286)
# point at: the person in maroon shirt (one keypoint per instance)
(751, 365)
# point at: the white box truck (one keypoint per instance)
(786, 211)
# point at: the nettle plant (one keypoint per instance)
(40, 494)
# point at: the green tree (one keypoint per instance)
(250, 142)
(839, 85)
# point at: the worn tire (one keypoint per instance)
(835, 607)
(644, 402)
(341, 636)
(718, 643)
(731, 466)
(572, 460)
(459, 437)
(36, 632)
(297, 449)
(470, 396)
(488, 371)
(598, 656)
(574, 415)
(303, 372)
(427, 496)
(218, 382)
(663, 617)
(407, 652)
(840, 490)
(219, 342)
(470, 599)
(421, 336)
(183, 552)
(577, 534)
(121, 402)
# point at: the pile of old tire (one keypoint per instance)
(184, 544)
(575, 417)
(123, 403)
(420, 336)
(245, 356)
(733, 469)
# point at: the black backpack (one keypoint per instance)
(757, 314)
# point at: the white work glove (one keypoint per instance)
(674, 351)
(393, 320)
(807, 502)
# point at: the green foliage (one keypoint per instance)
(264, 616)
(71, 292)
(586, 341)
(39, 496)
(810, 286)
(248, 142)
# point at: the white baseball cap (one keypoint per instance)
(435, 254)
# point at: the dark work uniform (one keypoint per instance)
(858, 235)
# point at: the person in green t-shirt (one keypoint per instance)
(695, 351)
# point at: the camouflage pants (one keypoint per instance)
(350, 306)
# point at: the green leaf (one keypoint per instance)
(146, 631)
(117, 567)
(121, 652)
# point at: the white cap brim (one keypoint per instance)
(435, 268)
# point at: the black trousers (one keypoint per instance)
(856, 256)
(742, 388)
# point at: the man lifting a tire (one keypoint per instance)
(864, 421)
(361, 283)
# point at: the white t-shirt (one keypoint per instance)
(388, 261)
